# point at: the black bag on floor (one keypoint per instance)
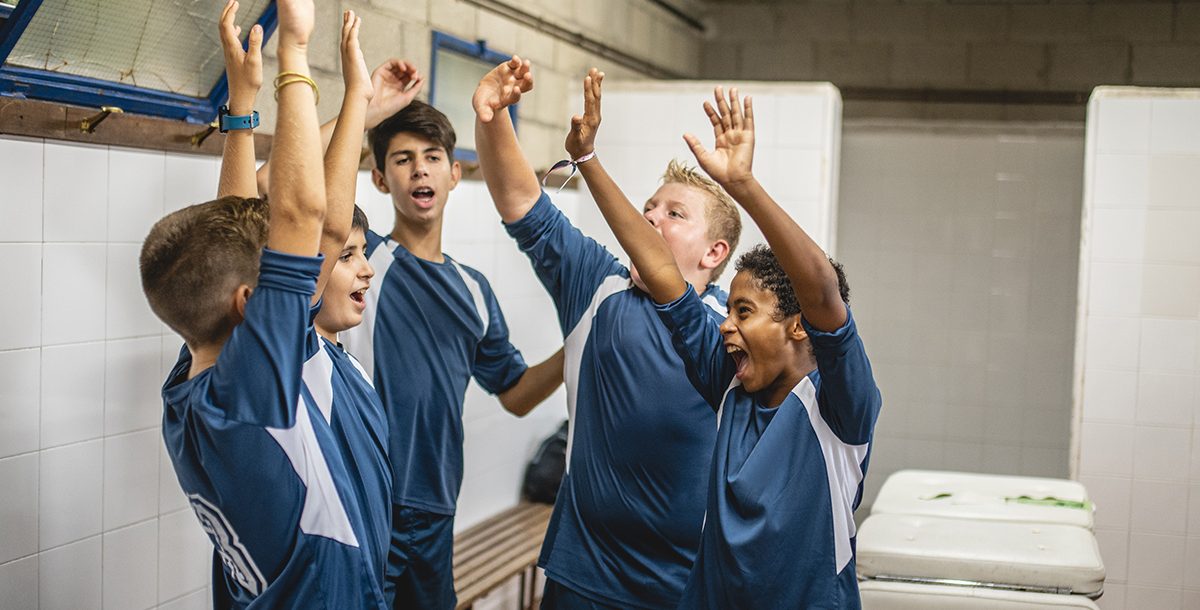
(545, 471)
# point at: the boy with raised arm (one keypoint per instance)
(294, 523)
(790, 381)
(626, 524)
(430, 325)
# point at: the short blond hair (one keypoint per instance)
(724, 220)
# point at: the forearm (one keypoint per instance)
(297, 168)
(237, 165)
(646, 248)
(510, 178)
(343, 149)
(263, 175)
(806, 264)
(535, 386)
(237, 155)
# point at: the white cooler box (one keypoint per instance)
(912, 561)
(963, 495)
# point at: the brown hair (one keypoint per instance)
(418, 118)
(724, 220)
(194, 259)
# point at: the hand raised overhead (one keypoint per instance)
(354, 67)
(243, 67)
(731, 161)
(395, 84)
(582, 138)
(502, 87)
(296, 19)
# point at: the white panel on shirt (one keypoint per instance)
(476, 291)
(323, 513)
(318, 377)
(360, 340)
(573, 349)
(843, 467)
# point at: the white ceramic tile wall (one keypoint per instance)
(1138, 350)
(80, 447)
(80, 370)
(959, 244)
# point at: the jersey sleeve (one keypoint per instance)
(847, 385)
(498, 364)
(257, 377)
(697, 339)
(569, 264)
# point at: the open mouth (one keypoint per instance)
(740, 358)
(423, 196)
(359, 296)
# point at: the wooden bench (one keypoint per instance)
(493, 552)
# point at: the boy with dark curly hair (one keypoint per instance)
(789, 378)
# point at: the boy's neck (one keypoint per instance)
(774, 394)
(422, 241)
(328, 334)
(203, 358)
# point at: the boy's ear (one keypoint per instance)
(240, 296)
(377, 180)
(795, 329)
(455, 174)
(718, 251)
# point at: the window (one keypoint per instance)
(457, 67)
(158, 58)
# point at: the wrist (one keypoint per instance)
(740, 185)
(240, 105)
(292, 50)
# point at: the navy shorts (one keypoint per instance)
(420, 574)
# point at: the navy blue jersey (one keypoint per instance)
(779, 530)
(343, 393)
(427, 329)
(626, 524)
(261, 466)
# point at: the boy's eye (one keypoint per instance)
(434, 158)
(675, 214)
(345, 257)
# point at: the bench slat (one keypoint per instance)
(495, 551)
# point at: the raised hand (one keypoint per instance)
(502, 87)
(395, 84)
(582, 138)
(296, 18)
(243, 68)
(731, 161)
(354, 67)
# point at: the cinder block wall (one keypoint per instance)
(1053, 45)
(403, 29)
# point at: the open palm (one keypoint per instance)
(731, 160)
(502, 87)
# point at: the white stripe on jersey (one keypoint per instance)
(323, 513)
(318, 377)
(843, 467)
(573, 349)
(360, 340)
(714, 304)
(476, 291)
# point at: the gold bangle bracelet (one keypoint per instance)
(284, 79)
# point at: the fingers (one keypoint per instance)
(226, 28)
(695, 146)
(749, 113)
(347, 27)
(254, 48)
(715, 119)
(722, 109)
(735, 109)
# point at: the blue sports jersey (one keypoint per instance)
(427, 329)
(626, 524)
(260, 465)
(779, 530)
(345, 396)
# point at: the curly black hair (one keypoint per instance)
(762, 265)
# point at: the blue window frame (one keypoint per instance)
(450, 97)
(16, 81)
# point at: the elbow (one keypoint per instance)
(519, 408)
